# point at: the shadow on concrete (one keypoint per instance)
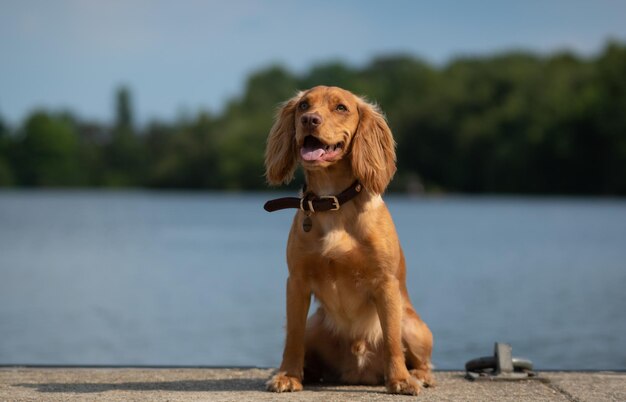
(217, 385)
(182, 386)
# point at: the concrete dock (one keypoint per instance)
(247, 384)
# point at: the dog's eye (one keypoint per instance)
(341, 107)
(304, 105)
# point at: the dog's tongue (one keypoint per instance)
(312, 154)
(312, 150)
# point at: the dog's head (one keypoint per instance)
(324, 125)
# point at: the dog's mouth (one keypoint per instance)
(314, 150)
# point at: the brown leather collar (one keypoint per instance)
(312, 203)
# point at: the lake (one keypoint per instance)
(159, 278)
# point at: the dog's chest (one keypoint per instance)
(336, 244)
(330, 238)
(340, 267)
(343, 292)
(343, 289)
(338, 272)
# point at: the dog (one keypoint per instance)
(343, 249)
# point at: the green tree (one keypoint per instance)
(48, 151)
(125, 157)
(243, 129)
(184, 156)
(6, 144)
(123, 110)
(610, 119)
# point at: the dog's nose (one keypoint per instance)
(311, 120)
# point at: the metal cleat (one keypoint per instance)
(501, 366)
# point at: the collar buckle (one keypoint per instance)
(335, 203)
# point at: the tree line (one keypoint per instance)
(515, 122)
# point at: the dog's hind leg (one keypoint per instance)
(318, 341)
(418, 343)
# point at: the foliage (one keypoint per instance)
(512, 122)
(46, 152)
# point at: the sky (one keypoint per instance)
(180, 57)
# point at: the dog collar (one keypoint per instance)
(310, 202)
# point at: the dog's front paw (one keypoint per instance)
(282, 382)
(425, 377)
(406, 386)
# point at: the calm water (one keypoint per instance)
(198, 279)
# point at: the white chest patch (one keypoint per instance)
(337, 242)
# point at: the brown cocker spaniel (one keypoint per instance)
(343, 249)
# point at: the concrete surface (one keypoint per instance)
(210, 384)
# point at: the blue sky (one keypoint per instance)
(183, 56)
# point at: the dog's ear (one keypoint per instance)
(373, 154)
(280, 152)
